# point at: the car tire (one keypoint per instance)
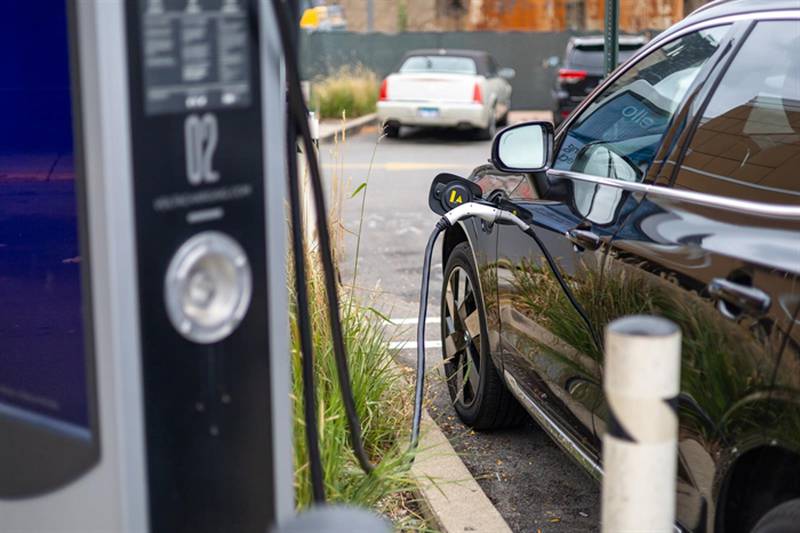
(487, 404)
(503, 122)
(490, 130)
(392, 130)
(785, 518)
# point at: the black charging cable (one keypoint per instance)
(419, 392)
(306, 344)
(494, 214)
(316, 472)
(299, 113)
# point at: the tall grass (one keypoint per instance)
(723, 370)
(350, 90)
(383, 399)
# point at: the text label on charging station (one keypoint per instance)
(201, 135)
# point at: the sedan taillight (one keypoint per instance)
(568, 75)
(384, 93)
(477, 94)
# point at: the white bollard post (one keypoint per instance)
(640, 446)
(313, 125)
(309, 215)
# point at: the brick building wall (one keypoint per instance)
(392, 16)
(557, 15)
(385, 15)
(541, 15)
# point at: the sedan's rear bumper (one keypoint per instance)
(446, 114)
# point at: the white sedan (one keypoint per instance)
(446, 88)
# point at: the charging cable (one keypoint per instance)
(304, 333)
(491, 215)
(485, 212)
(299, 114)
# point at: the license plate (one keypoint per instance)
(428, 112)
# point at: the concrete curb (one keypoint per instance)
(451, 496)
(329, 131)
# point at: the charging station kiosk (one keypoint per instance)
(144, 369)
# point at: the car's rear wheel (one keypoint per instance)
(392, 130)
(490, 130)
(478, 394)
(503, 122)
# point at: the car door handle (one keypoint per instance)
(584, 239)
(743, 298)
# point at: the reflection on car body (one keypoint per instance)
(582, 69)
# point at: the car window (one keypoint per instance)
(618, 134)
(448, 64)
(747, 145)
(492, 64)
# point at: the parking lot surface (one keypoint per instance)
(534, 485)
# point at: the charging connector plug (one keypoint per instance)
(486, 212)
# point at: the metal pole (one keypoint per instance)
(275, 167)
(641, 384)
(370, 15)
(611, 35)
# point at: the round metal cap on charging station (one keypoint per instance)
(208, 287)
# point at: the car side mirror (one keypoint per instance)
(507, 73)
(523, 148)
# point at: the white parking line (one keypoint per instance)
(412, 345)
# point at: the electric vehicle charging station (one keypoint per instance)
(167, 412)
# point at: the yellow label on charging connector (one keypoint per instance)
(455, 199)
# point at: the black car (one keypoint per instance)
(673, 190)
(582, 69)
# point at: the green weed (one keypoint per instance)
(350, 90)
(383, 397)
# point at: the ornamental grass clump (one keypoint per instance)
(383, 403)
(350, 90)
(382, 396)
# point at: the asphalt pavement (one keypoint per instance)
(533, 484)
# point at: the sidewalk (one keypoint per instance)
(453, 498)
(329, 128)
(524, 115)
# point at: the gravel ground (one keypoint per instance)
(527, 477)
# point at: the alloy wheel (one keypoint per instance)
(462, 342)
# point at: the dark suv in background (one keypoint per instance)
(582, 69)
